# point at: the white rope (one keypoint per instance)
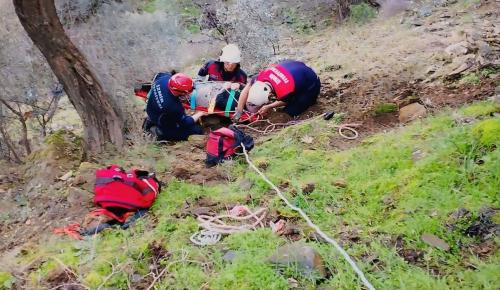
(216, 223)
(205, 237)
(346, 256)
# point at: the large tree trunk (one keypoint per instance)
(101, 117)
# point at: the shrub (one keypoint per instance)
(362, 13)
(471, 78)
(385, 108)
(487, 132)
(6, 280)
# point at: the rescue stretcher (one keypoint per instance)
(203, 99)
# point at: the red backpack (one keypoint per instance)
(224, 143)
(118, 190)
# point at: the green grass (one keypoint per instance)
(6, 280)
(384, 108)
(421, 193)
(471, 78)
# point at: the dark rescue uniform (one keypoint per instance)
(215, 71)
(294, 83)
(165, 111)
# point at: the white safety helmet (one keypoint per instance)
(259, 93)
(230, 53)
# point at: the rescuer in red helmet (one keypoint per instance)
(166, 116)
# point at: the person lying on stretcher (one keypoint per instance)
(219, 98)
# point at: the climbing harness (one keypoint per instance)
(346, 256)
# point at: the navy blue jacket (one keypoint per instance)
(215, 71)
(166, 111)
(294, 83)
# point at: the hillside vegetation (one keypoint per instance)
(414, 200)
(438, 176)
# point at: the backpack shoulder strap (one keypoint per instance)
(220, 150)
(229, 103)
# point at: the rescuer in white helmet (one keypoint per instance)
(227, 68)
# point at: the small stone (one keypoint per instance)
(28, 222)
(20, 200)
(425, 11)
(459, 213)
(66, 176)
(457, 49)
(229, 256)
(388, 200)
(411, 112)
(78, 196)
(85, 175)
(434, 241)
(307, 139)
(292, 283)
(340, 183)
(417, 155)
(306, 260)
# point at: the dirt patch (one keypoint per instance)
(64, 279)
(358, 98)
(194, 172)
(202, 206)
(189, 163)
(410, 255)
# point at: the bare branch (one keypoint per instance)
(8, 141)
(6, 104)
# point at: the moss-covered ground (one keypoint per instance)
(377, 198)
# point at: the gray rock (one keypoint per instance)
(425, 11)
(230, 255)
(459, 213)
(417, 155)
(78, 196)
(411, 112)
(306, 260)
(434, 241)
(457, 49)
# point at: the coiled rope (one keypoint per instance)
(274, 126)
(218, 225)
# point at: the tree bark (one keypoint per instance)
(102, 119)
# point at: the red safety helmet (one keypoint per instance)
(180, 84)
